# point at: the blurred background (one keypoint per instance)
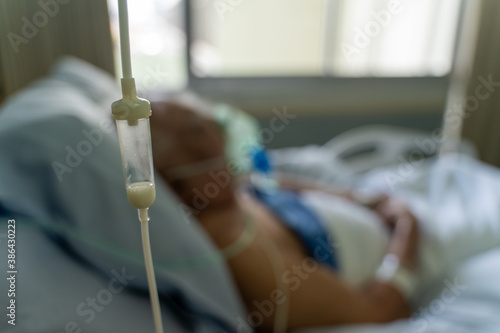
(313, 73)
(336, 64)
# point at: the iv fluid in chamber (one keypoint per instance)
(135, 145)
(141, 195)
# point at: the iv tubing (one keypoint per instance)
(125, 40)
(133, 109)
(153, 291)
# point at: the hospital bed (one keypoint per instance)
(76, 232)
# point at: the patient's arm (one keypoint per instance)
(318, 296)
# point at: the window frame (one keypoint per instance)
(324, 95)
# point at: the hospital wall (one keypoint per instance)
(34, 34)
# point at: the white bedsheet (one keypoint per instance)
(458, 201)
(458, 209)
(357, 234)
(474, 309)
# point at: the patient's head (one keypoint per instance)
(188, 150)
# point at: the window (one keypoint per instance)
(158, 42)
(313, 54)
(353, 38)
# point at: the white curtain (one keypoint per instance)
(33, 34)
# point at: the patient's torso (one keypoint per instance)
(356, 234)
(283, 237)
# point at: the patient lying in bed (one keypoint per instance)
(291, 274)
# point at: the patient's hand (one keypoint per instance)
(183, 137)
(404, 227)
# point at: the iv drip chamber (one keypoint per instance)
(132, 121)
(137, 158)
